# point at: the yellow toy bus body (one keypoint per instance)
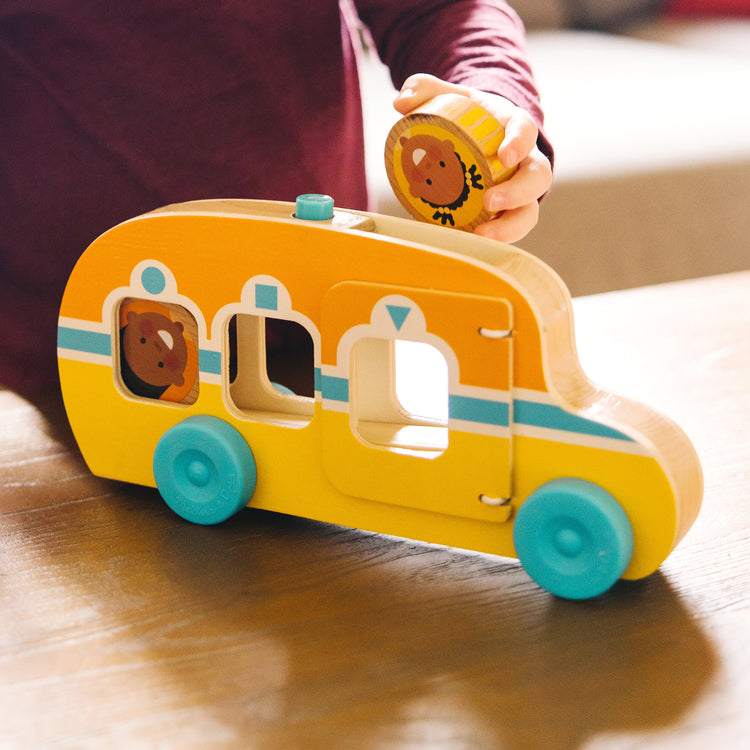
(163, 355)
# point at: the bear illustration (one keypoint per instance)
(433, 169)
(437, 175)
(153, 353)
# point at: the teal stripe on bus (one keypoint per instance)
(334, 389)
(464, 408)
(552, 417)
(479, 410)
(91, 342)
(209, 361)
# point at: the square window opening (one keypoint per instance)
(271, 369)
(400, 396)
(157, 351)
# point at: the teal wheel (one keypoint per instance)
(573, 538)
(204, 470)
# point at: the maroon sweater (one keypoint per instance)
(108, 110)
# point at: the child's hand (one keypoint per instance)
(517, 197)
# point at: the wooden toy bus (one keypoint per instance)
(165, 350)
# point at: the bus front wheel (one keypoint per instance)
(204, 470)
(573, 538)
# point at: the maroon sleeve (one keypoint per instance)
(478, 43)
(108, 110)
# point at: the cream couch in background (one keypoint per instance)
(651, 129)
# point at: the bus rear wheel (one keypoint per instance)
(573, 538)
(204, 470)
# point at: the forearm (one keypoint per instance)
(477, 43)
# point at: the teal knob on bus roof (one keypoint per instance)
(314, 207)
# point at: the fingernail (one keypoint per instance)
(509, 158)
(404, 93)
(497, 202)
(488, 231)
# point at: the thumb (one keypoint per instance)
(421, 87)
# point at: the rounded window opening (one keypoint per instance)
(400, 396)
(158, 356)
(422, 380)
(271, 369)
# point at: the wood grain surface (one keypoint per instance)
(122, 626)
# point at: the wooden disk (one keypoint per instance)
(441, 158)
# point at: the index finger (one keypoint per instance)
(520, 138)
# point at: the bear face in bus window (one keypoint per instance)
(153, 353)
(433, 169)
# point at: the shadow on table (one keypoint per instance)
(305, 635)
(299, 634)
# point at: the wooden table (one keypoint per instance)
(123, 627)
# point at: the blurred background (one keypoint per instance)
(647, 105)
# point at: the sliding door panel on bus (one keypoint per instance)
(416, 397)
